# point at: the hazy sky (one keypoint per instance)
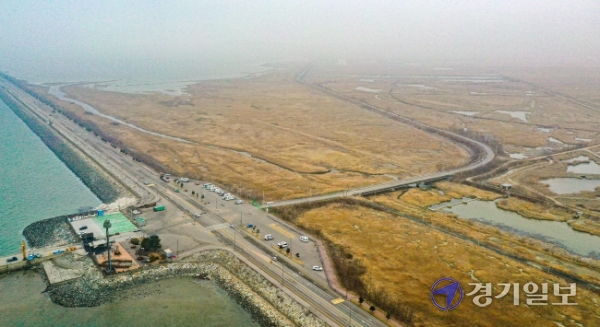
(107, 37)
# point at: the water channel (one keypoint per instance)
(55, 90)
(558, 233)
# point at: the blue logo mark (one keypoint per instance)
(450, 290)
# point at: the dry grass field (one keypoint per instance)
(445, 191)
(474, 99)
(270, 133)
(405, 258)
(531, 178)
(532, 210)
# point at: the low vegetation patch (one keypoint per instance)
(532, 210)
(392, 262)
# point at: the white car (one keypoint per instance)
(239, 201)
(282, 244)
(136, 212)
(304, 239)
(268, 237)
(317, 268)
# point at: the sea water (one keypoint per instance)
(34, 183)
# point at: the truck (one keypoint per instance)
(158, 208)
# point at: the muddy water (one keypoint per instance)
(172, 302)
(570, 185)
(590, 167)
(559, 233)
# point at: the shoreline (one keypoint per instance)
(266, 303)
(99, 183)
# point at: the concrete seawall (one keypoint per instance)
(267, 304)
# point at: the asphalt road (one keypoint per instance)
(488, 153)
(298, 280)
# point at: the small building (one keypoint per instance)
(168, 253)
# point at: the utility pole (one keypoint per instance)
(107, 225)
(241, 221)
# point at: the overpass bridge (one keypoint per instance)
(481, 153)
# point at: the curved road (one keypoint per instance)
(313, 294)
(488, 153)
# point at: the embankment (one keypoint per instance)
(98, 183)
(267, 304)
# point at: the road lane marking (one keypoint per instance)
(281, 230)
(260, 255)
(338, 300)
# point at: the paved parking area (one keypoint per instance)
(89, 226)
(241, 215)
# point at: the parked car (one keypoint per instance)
(83, 227)
(282, 244)
(268, 237)
(12, 259)
(304, 239)
(317, 268)
(239, 201)
(136, 212)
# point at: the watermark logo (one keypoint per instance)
(483, 293)
(452, 291)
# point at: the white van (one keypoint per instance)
(184, 180)
(304, 239)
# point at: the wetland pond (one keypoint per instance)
(590, 167)
(571, 185)
(555, 232)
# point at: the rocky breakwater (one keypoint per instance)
(50, 232)
(268, 305)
